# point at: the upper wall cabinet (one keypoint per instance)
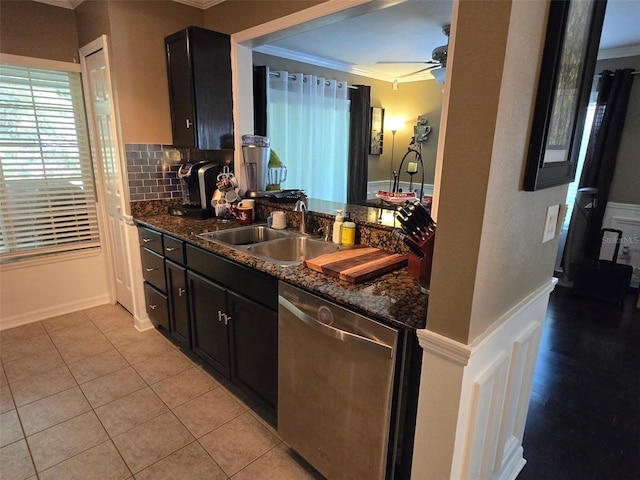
(199, 69)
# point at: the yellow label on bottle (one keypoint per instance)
(348, 234)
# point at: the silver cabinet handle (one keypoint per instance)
(223, 317)
(150, 269)
(181, 291)
(170, 249)
(147, 240)
(189, 123)
(153, 307)
(332, 331)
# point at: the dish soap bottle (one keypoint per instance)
(348, 232)
(337, 228)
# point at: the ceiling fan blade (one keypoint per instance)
(391, 62)
(420, 71)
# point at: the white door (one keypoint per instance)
(106, 151)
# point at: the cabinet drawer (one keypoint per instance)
(157, 306)
(174, 249)
(252, 284)
(153, 268)
(150, 239)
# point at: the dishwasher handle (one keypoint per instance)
(337, 333)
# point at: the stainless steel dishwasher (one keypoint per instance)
(335, 385)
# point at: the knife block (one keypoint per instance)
(420, 268)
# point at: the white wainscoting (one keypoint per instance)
(495, 376)
(625, 217)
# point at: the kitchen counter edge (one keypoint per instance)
(393, 298)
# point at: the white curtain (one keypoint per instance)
(308, 123)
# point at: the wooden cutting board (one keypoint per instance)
(356, 264)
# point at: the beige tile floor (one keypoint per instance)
(87, 396)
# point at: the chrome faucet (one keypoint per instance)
(301, 206)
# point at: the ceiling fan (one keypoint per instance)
(437, 64)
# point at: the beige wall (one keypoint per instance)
(38, 30)
(233, 16)
(513, 261)
(409, 101)
(488, 252)
(92, 20)
(626, 179)
(476, 48)
(139, 66)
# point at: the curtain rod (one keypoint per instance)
(293, 77)
(633, 74)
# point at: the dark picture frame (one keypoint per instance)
(566, 76)
(377, 132)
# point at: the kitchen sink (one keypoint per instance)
(284, 247)
(292, 250)
(244, 235)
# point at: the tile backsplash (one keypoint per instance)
(151, 173)
(152, 169)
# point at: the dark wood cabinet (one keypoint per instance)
(223, 312)
(178, 303)
(157, 306)
(199, 74)
(254, 334)
(150, 239)
(210, 331)
(153, 269)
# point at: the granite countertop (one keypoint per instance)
(393, 298)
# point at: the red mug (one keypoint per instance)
(244, 215)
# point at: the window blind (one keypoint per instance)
(47, 190)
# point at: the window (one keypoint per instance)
(308, 123)
(47, 191)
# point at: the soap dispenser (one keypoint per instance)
(348, 237)
(337, 228)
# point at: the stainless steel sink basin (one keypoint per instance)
(284, 247)
(245, 235)
(292, 250)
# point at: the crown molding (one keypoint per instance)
(72, 4)
(203, 4)
(336, 65)
(69, 4)
(620, 52)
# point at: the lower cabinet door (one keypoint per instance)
(209, 319)
(178, 303)
(157, 306)
(255, 347)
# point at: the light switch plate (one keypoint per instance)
(550, 223)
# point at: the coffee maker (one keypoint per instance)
(199, 185)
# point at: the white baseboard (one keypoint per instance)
(478, 397)
(142, 324)
(44, 313)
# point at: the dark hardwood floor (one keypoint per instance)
(584, 415)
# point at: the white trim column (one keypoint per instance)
(474, 398)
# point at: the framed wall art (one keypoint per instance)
(566, 76)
